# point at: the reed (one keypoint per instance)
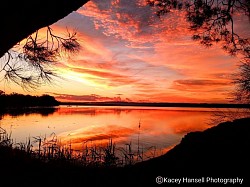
(50, 149)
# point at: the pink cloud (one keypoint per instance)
(135, 22)
(85, 98)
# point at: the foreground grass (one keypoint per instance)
(51, 150)
(221, 151)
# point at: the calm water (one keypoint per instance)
(156, 129)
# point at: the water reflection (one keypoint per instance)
(93, 111)
(43, 111)
(159, 129)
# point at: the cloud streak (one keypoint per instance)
(85, 98)
(198, 84)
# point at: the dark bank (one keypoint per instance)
(220, 152)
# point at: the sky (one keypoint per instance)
(129, 54)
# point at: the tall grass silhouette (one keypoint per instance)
(50, 149)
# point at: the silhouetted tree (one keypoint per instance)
(30, 65)
(242, 81)
(19, 19)
(213, 22)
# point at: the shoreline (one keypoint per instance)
(184, 105)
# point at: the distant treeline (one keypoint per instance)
(164, 104)
(15, 100)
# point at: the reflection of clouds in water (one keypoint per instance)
(160, 128)
(149, 144)
(97, 133)
(149, 139)
(92, 111)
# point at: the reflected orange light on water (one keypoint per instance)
(160, 128)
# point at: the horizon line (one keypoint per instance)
(156, 104)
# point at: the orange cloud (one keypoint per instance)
(111, 79)
(202, 85)
(85, 98)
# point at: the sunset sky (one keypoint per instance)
(129, 54)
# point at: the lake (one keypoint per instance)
(150, 130)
